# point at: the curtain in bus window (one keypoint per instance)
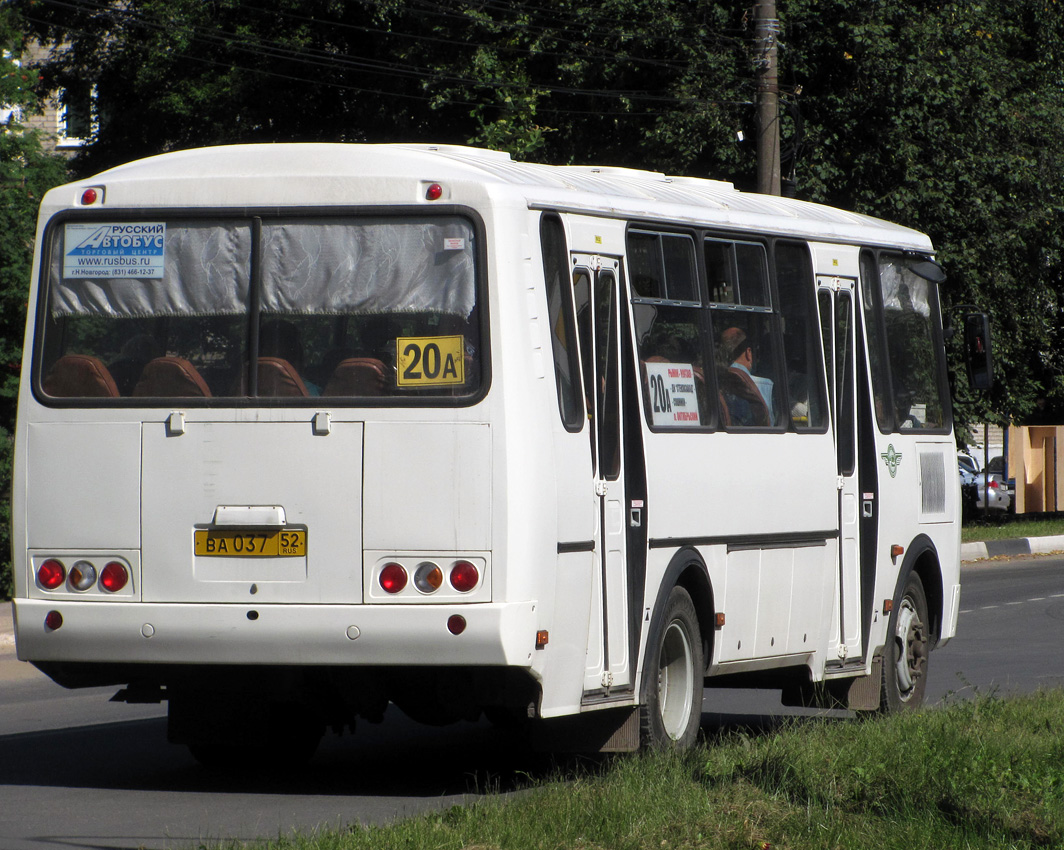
(383, 265)
(913, 357)
(178, 330)
(205, 272)
(369, 307)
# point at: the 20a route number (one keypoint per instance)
(430, 361)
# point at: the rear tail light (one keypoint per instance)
(464, 576)
(428, 577)
(393, 578)
(992, 484)
(51, 574)
(82, 575)
(114, 577)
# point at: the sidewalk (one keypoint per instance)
(7, 629)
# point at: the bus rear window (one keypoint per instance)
(284, 308)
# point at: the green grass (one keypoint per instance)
(988, 773)
(1040, 525)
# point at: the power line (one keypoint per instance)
(269, 49)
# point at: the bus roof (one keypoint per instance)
(311, 174)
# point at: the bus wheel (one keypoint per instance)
(906, 655)
(671, 704)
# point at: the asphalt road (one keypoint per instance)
(79, 772)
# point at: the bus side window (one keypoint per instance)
(563, 334)
(801, 345)
(667, 308)
(745, 333)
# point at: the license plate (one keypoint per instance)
(283, 543)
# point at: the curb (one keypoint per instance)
(1016, 546)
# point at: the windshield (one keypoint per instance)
(344, 307)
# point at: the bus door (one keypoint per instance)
(597, 300)
(838, 323)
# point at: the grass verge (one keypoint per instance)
(980, 774)
(1049, 525)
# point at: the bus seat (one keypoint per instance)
(725, 415)
(278, 377)
(171, 377)
(357, 376)
(79, 376)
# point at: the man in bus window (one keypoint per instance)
(746, 405)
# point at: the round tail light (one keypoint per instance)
(428, 577)
(464, 576)
(114, 577)
(456, 624)
(51, 574)
(82, 575)
(393, 578)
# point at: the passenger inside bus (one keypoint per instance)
(743, 401)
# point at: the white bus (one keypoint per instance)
(305, 430)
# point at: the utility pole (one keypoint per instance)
(766, 38)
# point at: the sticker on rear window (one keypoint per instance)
(430, 361)
(133, 249)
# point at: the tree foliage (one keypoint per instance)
(26, 173)
(949, 118)
(944, 116)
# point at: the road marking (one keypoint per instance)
(1015, 603)
(1037, 599)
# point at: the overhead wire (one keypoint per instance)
(269, 49)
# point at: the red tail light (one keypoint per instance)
(114, 577)
(992, 484)
(464, 576)
(393, 578)
(51, 574)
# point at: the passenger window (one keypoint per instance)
(737, 273)
(905, 384)
(662, 266)
(563, 335)
(751, 395)
(750, 392)
(801, 341)
(670, 355)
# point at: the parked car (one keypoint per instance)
(975, 485)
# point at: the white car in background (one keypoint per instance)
(994, 483)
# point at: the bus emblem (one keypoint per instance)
(892, 459)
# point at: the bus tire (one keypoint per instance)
(671, 700)
(905, 657)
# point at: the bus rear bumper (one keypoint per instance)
(498, 634)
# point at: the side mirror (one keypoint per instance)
(977, 354)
